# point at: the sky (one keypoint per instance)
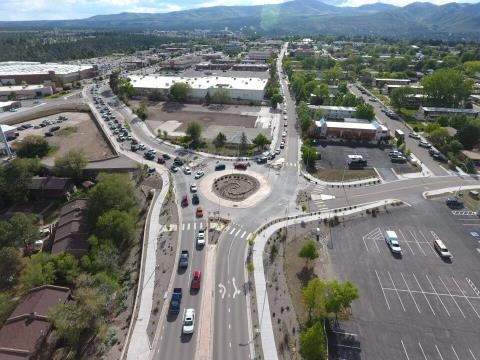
(77, 9)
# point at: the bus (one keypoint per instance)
(399, 134)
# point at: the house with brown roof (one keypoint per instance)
(24, 332)
(72, 230)
(50, 187)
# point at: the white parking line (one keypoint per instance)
(424, 295)
(383, 291)
(428, 242)
(439, 298)
(413, 298)
(405, 350)
(418, 243)
(423, 352)
(405, 239)
(471, 353)
(438, 351)
(455, 301)
(364, 243)
(399, 298)
(466, 298)
(453, 349)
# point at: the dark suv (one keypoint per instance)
(454, 203)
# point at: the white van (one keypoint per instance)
(391, 239)
(441, 249)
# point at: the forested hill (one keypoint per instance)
(416, 20)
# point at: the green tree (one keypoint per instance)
(102, 257)
(11, 264)
(309, 155)
(20, 229)
(194, 130)
(399, 96)
(141, 111)
(469, 135)
(243, 146)
(455, 146)
(15, 178)
(439, 137)
(313, 343)
(447, 88)
(114, 81)
(472, 67)
(261, 141)
(71, 164)
(443, 120)
(33, 146)
(125, 89)
(38, 271)
(321, 94)
(113, 191)
(180, 91)
(220, 140)
(220, 96)
(308, 252)
(314, 298)
(116, 225)
(276, 99)
(365, 111)
(340, 296)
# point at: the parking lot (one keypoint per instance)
(336, 155)
(416, 306)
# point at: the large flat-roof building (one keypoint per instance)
(351, 129)
(24, 92)
(335, 112)
(381, 82)
(431, 113)
(239, 88)
(16, 72)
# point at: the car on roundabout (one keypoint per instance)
(199, 174)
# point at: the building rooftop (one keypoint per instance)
(13, 88)
(449, 110)
(204, 82)
(27, 68)
(374, 125)
(332, 108)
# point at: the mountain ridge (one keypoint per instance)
(417, 20)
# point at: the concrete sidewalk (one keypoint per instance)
(263, 306)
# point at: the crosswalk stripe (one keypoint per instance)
(238, 232)
(194, 226)
(188, 226)
(201, 225)
(249, 236)
(183, 226)
(233, 230)
(241, 237)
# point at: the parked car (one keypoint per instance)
(442, 249)
(193, 188)
(188, 321)
(54, 128)
(413, 135)
(173, 168)
(166, 156)
(424, 144)
(161, 160)
(440, 157)
(454, 203)
(199, 174)
(48, 134)
(195, 199)
(187, 171)
(398, 159)
(220, 167)
(391, 239)
(240, 166)
(201, 238)
(149, 156)
(184, 202)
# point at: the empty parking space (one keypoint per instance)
(437, 350)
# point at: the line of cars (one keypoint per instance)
(391, 239)
(437, 155)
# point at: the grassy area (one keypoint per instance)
(378, 94)
(337, 175)
(58, 95)
(471, 202)
(67, 131)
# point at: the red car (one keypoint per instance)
(184, 201)
(199, 212)
(161, 160)
(197, 275)
(240, 166)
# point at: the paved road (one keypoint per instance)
(435, 167)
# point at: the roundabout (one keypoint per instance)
(235, 189)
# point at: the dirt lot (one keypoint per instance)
(287, 275)
(79, 132)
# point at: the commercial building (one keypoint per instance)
(351, 129)
(260, 55)
(431, 113)
(183, 62)
(24, 92)
(416, 89)
(72, 230)
(50, 187)
(238, 88)
(335, 112)
(27, 327)
(9, 105)
(16, 72)
(379, 83)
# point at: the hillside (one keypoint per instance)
(419, 20)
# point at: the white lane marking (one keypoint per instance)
(230, 344)
(453, 349)
(183, 226)
(385, 296)
(233, 230)
(438, 351)
(455, 301)
(228, 309)
(399, 298)
(244, 233)
(405, 350)
(188, 226)
(222, 290)
(439, 298)
(235, 289)
(194, 226)
(229, 326)
(413, 298)
(348, 346)
(238, 232)
(423, 352)
(425, 295)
